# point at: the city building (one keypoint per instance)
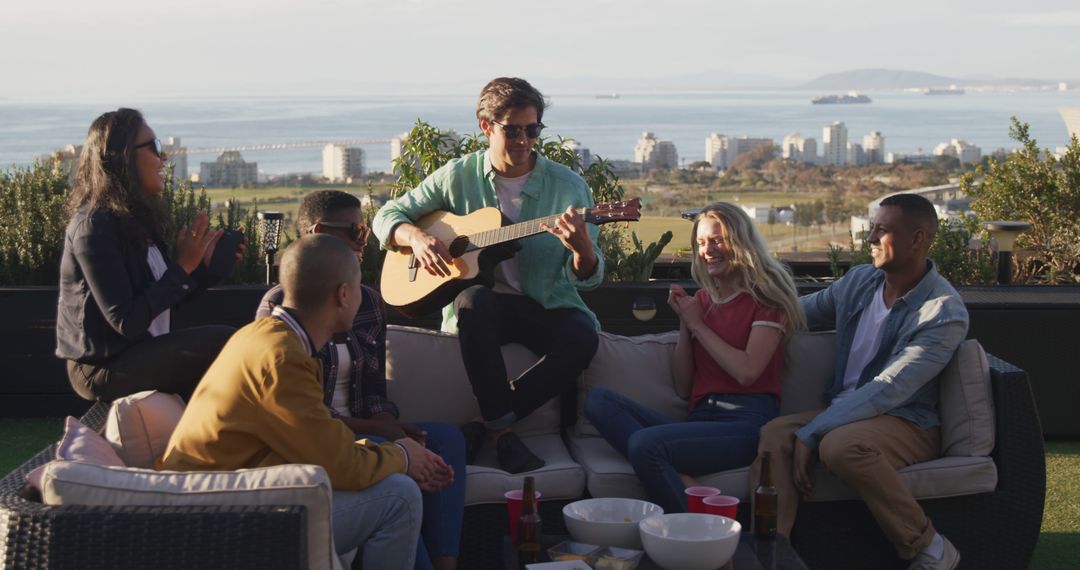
(965, 152)
(834, 144)
(913, 158)
(855, 154)
(798, 148)
(228, 170)
(874, 146)
(758, 212)
(655, 154)
(583, 154)
(721, 150)
(177, 154)
(342, 163)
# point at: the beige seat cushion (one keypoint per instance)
(638, 367)
(808, 368)
(610, 475)
(967, 406)
(139, 426)
(70, 483)
(426, 379)
(560, 478)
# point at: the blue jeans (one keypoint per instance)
(443, 510)
(712, 439)
(382, 520)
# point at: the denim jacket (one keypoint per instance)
(467, 184)
(919, 338)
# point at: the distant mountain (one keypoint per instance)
(866, 79)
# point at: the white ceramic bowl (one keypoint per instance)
(690, 541)
(608, 521)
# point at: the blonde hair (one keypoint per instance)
(752, 269)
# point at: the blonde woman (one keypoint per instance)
(726, 363)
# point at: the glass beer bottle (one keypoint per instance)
(529, 526)
(765, 501)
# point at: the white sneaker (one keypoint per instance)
(949, 559)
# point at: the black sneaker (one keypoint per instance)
(513, 456)
(475, 433)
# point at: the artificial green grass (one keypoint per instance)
(1059, 540)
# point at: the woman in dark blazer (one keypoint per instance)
(117, 285)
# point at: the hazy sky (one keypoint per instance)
(72, 49)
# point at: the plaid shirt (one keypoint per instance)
(366, 344)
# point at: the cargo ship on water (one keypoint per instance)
(850, 98)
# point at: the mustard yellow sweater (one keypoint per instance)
(260, 404)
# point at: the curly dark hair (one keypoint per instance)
(317, 205)
(108, 177)
(504, 93)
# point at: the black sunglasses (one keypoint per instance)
(357, 232)
(156, 143)
(512, 131)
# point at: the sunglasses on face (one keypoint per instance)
(155, 146)
(356, 232)
(512, 131)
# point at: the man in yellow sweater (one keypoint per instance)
(261, 404)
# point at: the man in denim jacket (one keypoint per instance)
(897, 325)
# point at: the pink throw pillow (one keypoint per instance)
(80, 444)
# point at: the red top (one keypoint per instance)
(731, 320)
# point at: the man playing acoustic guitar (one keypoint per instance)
(534, 300)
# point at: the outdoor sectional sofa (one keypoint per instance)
(986, 494)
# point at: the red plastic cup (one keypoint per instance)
(695, 495)
(723, 505)
(513, 511)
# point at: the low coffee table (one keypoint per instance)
(752, 554)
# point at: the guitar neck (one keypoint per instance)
(512, 232)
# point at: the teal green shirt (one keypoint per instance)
(467, 184)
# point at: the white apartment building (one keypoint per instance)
(874, 146)
(655, 154)
(834, 144)
(757, 212)
(966, 152)
(721, 150)
(856, 156)
(230, 169)
(341, 163)
(796, 147)
(177, 154)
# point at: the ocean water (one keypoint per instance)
(910, 122)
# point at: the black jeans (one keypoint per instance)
(173, 362)
(565, 340)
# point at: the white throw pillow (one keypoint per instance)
(139, 426)
(80, 444)
(966, 406)
(68, 483)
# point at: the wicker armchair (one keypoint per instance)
(34, 535)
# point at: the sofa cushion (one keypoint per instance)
(967, 407)
(559, 478)
(426, 379)
(82, 444)
(139, 426)
(610, 475)
(808, 367)
(638, 367)
(69, 483)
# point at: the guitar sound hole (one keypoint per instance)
(459, 245)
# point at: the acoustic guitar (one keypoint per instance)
(477, 243)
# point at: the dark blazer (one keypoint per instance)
(108, 296)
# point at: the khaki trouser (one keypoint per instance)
(865, 455)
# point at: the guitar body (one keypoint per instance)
(477, 242)
(415, 292)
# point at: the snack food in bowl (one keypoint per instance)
(690, 541)
(608, 521)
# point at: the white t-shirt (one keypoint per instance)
(508, 190)
(866, 343)
(158, 267)
(340, 403)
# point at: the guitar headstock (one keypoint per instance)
(625, 211)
